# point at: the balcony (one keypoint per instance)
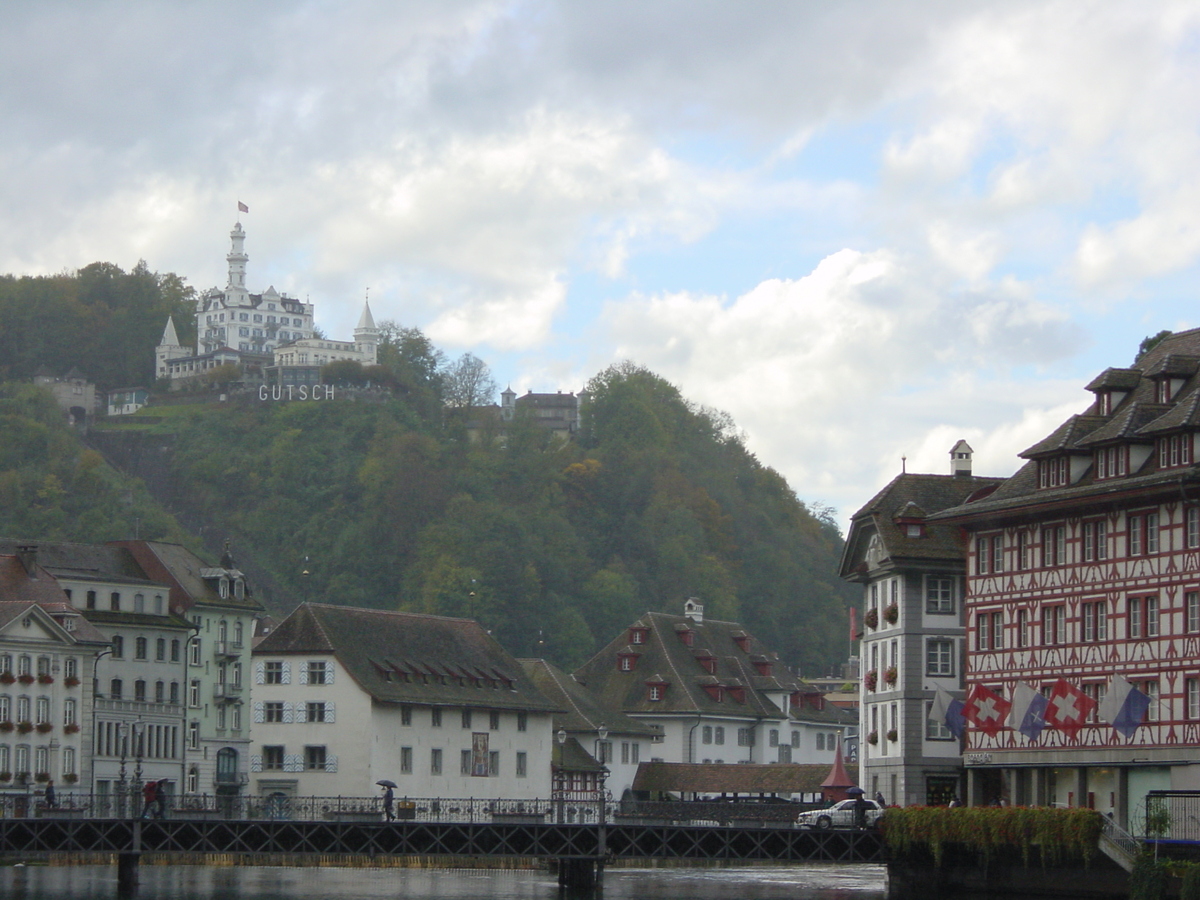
(227, 690)
(227, 648)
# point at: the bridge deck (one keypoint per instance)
(24, 837)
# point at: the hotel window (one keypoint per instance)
(314, 758)
(1089, 623)
(1192, 687)
(522, 763)
(1193, 527)
(1192, 605)
(1022, 628)
(981, 555)
(1152, 532)
(997, 631)
(435, 717)
(1151, 690)
(998, 554)
(1052, 472)
(466, 718)
(1101, 621)
(1151, 617)
(1135, 617)
(1023, 552)
(1054, 545)
(435, 761)
(1135, 536)
(406, 760)
(939, 658)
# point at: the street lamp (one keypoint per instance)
(139, 728)
(122, 787)
(560, 777)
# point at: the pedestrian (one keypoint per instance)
(860, 810)
(388, 798)
(149, 795)
(879, 799)
(160, 798)
(51, 797)
(954, 802)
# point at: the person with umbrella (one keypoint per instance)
(388, 798)
(860, 806)
(160, 798)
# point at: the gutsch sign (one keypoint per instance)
(295, 392)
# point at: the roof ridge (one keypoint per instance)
(566, 693)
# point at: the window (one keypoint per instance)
(316, 671)
(139, 603)
(91, 599)
(70, 667)
(114, 601)
(315, 759)
(997, 631)
(939, 595)
(435, 761)
(1192, 690)
(1151, 532)
(175, 651)
(160, 650)
(1135, 617)
(656, 692)
(114, 689)
(466, 718)
(1151, 617)
(1022, 628)
(795, 739)
(982, 631)
(43, 710)
(140, 647)
(315, 712)
(1193, 527)
(70, 711)
(1101, 621)
(718, 735)
(1054, 625)
(406, 760)
(194, 693)
(1151, 689)
(1089, 623)
(1101, 541)
(939, 657)
(435, 717)
(174, 692)
(1024, 553)
(273, 672)
(625, 661)
(998, 554)
(68, 761)
(981, 555)
(272, 756)
(406, 715)
(493, 720)
(139, 690)
(745, 737)
(273, 711)
(494, 763)
(522, 720)
(1089, 541)
(1191, 602)
(604, 749)
(464, 762)
(1135, 536)
(1052, 472)
(118, 646)
(194, 652)
(194, 735)
(706, 734)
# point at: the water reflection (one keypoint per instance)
(809, 882)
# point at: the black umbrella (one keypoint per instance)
(383, 782)
(855, 790)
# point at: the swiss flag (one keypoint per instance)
(1068, 707)
(986, 710)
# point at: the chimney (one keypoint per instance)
(27, 554)
(960, 459)
(694, 609)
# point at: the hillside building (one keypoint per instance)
(1083, 601)
(912, 640)
(271, 332)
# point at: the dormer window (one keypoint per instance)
(1052, 472)
(1112, 462)
(1175, 450)
(914, 530)
(626, 662)
(1104, 402)
(738, 694)
(688, 637)
(715, 691)
(223, 588)
(763, 666)
(656, 689)
(637, 635)
(709, 663)
(1163, 390)
(743, 642)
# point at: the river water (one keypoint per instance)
(810, 882)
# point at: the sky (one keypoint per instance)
(865, 230)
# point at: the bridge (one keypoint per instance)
(581, 849)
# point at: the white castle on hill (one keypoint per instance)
(270, 331)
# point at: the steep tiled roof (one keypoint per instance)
(409, 658)
(1065, 436)
(15, 583)
(665, 658)
(179, 567)
(69, 560)
(82, 632)
(581, 710)
(930, 494)
(730, 778)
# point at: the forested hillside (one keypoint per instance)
(386, 501)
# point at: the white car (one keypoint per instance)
(840, 815)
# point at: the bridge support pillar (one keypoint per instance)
(127, 872)
(579, 873)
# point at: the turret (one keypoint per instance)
(235, 291)
(366, 336)
(960, 459)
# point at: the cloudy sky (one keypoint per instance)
(863, 229)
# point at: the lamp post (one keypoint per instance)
(139, 728)
(122, 794)
(560, 776)
(602, 758)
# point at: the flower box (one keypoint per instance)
(71, 777)
(44, 727)
(872, 680)
(7, 726)
(71, 681)
(42, 777)
(871, 619)
(25, 679)
(891, 614)
(7, 677)
(5, 776)
(45, 679)
(24, 727)
(890, 675)
(71, 729)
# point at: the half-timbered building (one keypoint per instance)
(1083, 601)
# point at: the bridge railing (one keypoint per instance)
(359, 809)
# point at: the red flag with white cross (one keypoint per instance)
(1068, 707)
(986, 710)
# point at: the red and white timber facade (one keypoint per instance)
(1082, 566)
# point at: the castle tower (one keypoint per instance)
(508, 404)
(168, 349)
(366, 337)
(235, 291)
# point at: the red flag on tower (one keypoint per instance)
(986, 710)
(1068, 707)
(242, 207)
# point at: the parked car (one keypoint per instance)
(840, 815)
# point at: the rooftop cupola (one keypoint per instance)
(960, 458)
(694, 609)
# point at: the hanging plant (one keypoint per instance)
(25, 679)
(71, 729)
(892, 736)
(891, 614)
(7, 726)
(7, 677)
(873, 738)
(24, 727)
(42, 777)
(871, 619)
(872, 680)
(890, 675)
(45, 679)
(70, 778)
(44, 727)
